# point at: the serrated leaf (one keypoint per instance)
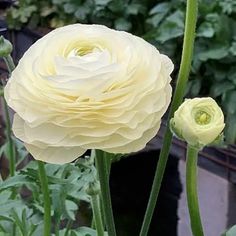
(15, 181)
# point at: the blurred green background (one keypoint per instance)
(161, 23)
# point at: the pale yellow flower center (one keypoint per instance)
(82, 51)
(202, 118)
(85, 50)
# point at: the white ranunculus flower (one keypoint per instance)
(88, 87)
(198, 121)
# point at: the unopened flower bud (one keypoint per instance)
(5, 47)
(93, 188)
(198, 121)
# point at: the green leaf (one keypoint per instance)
(82, 12)
(85, 231)
(15, 181)
(70, 8)
(5, 196)
(160, 8)
(135, 9)
(216, 52)
(231, 75)
(230, 129)
(229, 100)
(47, 10)
(194, 87)
(156, 19)
(122, 24)
(171, 28)
(3, 149)
(219, 88)
(205, 30)
(102, 2)
(71, 208)
(230, 232)
(233, 49)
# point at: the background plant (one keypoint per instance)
(213, 72)
(21, 198)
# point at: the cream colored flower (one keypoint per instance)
(88, 87)
(198, 121)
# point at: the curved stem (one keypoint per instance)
(46, 197)
(95, 201)
(192, 193)
(185, 65)
(57, 227)
(68, 226)
(12, 154)
(9, 62)
(103, 174)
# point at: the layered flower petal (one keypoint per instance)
(198, 121)
(88, 87)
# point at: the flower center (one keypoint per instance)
(202, 118)
(84, 51)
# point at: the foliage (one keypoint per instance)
(230, 232)
(213, 71)
(123, 14)
(21, 198)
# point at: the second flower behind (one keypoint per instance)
(198, 121)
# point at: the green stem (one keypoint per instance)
(192, 193)
(12, 154)
(93, 223)
(46, 198)
(68, 226)
(95, 201)
(57, 227)
(103, 174)
(9, 62)
(185, 66)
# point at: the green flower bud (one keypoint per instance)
(198, 121)
(93, 188)
(5, 47)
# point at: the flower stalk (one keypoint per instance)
(192, 193)
(5, 53)
(95, 202)
(11, 147)
(46, 198)
(185, 66)
(9, 62)
(93, 190)
(103, 165)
